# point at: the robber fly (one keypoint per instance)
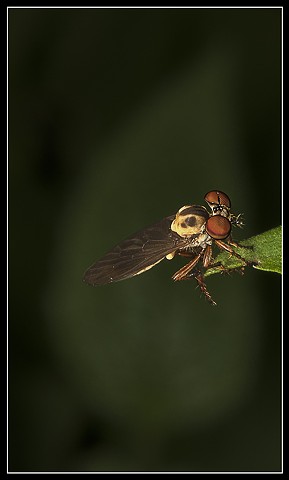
(191, 232)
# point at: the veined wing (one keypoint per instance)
(136, 254)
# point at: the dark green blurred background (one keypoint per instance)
(117, 118)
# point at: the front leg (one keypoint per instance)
(224, 246)
(236, 244)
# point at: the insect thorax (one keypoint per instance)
(190, 220)
(197, 243)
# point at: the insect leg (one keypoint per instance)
(207, 258)
(197, 274)
(236, 244)
(186, 254)
(228, 248)
(228, 271)
(183, 272)
(200, 279)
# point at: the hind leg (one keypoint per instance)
(197, 274)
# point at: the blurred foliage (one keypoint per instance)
(266, 252)
(117, 118)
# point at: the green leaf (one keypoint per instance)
(267, 252)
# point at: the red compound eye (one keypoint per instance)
(218, 227)
(218, 198)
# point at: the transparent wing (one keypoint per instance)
(136, 254)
